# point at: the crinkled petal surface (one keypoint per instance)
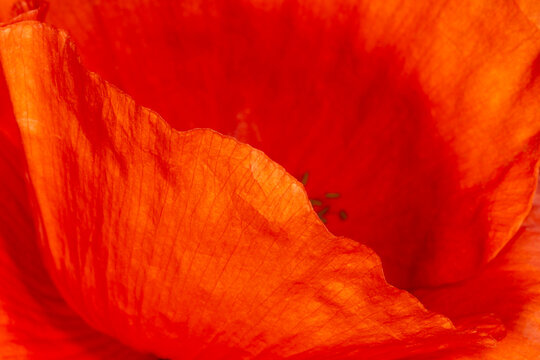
(531, 9)
(509, 288)
(192, 245)
(35, 321)
(420, 114)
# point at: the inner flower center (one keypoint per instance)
(323, 205)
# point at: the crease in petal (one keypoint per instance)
(35, 321)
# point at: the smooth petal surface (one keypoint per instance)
(509, 288)
(419, 114)
(192, 245)
(35, 321)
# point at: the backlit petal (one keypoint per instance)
(35, 321)
(192, 244)
(531, 9)
(421, 114)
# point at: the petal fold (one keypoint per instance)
(35, 321)
(421, 115)
(509, 288)
(191, 244)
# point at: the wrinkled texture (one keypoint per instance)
(420, 114)
(192, 244)
(509, 288)
(531, 9)
(35, 321)
(83, 195)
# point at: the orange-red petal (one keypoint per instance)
(422, 114)
(509, 288)
(531, 9)
(35, 321)
(192, 245)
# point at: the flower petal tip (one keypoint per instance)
(24, 10)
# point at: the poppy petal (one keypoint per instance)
(421, 115)
(35, 321)
(509, 288)
(192, 245)
(531, 9)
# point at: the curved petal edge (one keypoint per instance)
(191, 244)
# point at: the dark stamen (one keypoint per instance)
(315, 202)
(323, 219)
(323, 211)
(332, 195)
(343, 215)
(305, 178)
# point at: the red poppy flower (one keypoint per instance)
(412, 127)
